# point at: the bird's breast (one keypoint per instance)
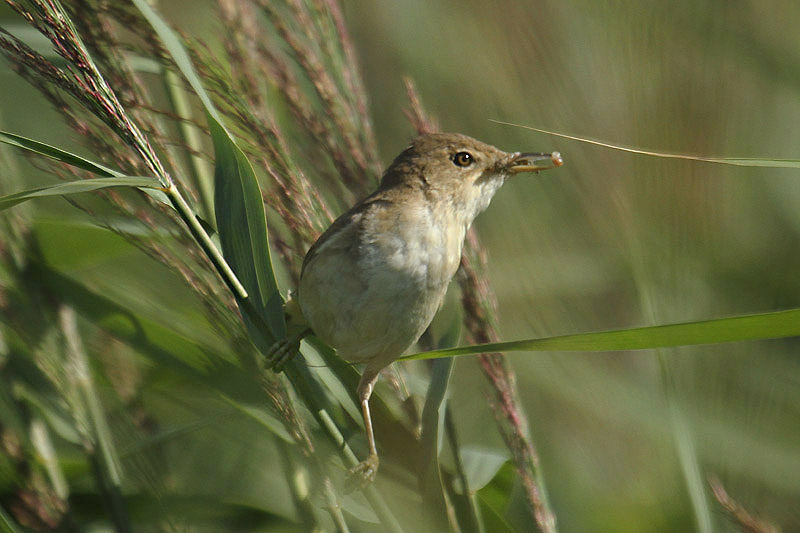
(420, 247)
(372, 288)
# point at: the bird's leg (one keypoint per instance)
(364, 472)
(284, 349)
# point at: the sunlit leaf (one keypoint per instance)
(58, 154)
(74, 187)
(242, 227)
(241, 219)
(760, 326)
(482, 464)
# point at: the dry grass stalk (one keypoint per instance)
(742, 516)
(480, 310)
(81, 78)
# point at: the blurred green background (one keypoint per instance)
(614, 239)
(609, 240)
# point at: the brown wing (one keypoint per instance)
(339, 227)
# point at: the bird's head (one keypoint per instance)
(460, 171)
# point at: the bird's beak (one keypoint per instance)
(533, 162)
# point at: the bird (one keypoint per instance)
(372, 282)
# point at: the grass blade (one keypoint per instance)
(494, 500)
(74, 187)
(242, 227)
(7, 524)
(759, 326)
(185, 356)
(191, 135)
(735, 161)
(176, 49)
(429, 477)
(241, 219)
(58, 154)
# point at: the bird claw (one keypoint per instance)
(363, 474)
(281, 352)
(284, 349)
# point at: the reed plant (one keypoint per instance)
(136, 397)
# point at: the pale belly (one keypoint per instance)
(374, 301)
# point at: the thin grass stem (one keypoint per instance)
(101, 451)
(205, 242)
(371, 493)
(203, 178)
(334, 508)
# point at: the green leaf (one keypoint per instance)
(429, 476)
(195, 510)
(242, 227)
(494, 520)
(432, 417)
(48, 409)
(175, 47)
(241, 224)
(264, 418)
(241, 219)
(760, 326)
(481, 464)
(770, 163)
(73, 187)
(186, 356)
(58, 154)
(433, 482)
(495, 499)
(7, 523)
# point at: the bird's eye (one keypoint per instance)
(463, 159)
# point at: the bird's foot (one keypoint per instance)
(283, 350)
(280, 353)
(362, 474)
